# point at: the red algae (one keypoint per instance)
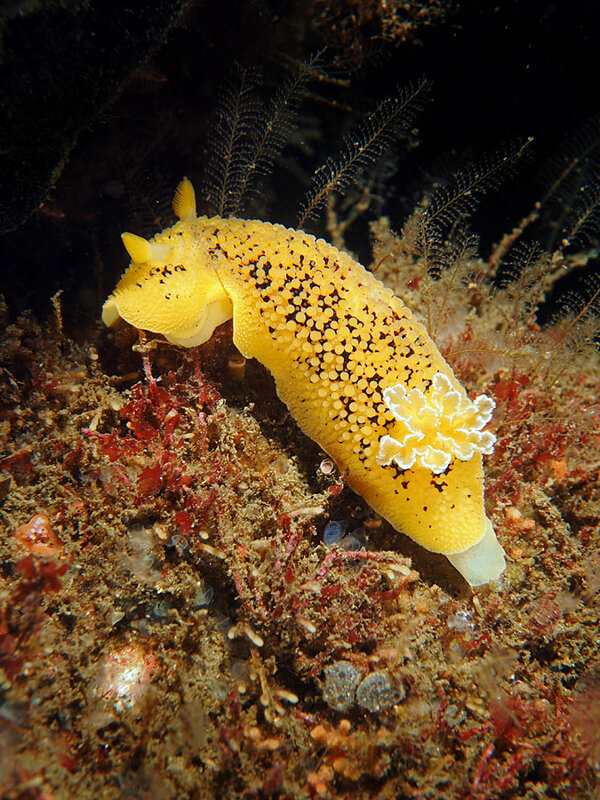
(180, 614)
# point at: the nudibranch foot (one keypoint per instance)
(483, 562)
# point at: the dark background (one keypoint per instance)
(103, 110)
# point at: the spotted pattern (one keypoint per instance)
(334, 338)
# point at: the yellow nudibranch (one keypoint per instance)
(358, 372)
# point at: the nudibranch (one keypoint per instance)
(356, 369)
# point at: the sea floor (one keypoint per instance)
(172, 624)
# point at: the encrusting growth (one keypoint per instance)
(356, 369)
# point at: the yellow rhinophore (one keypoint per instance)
(358, 372)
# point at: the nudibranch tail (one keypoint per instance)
(357, 370)
(483, 562)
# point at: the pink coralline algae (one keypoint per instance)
(38, 537)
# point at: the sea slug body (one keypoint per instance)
(358, 372)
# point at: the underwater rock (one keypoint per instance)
(341, 682)
(377, 691)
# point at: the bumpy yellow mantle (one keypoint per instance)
(356, 369)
